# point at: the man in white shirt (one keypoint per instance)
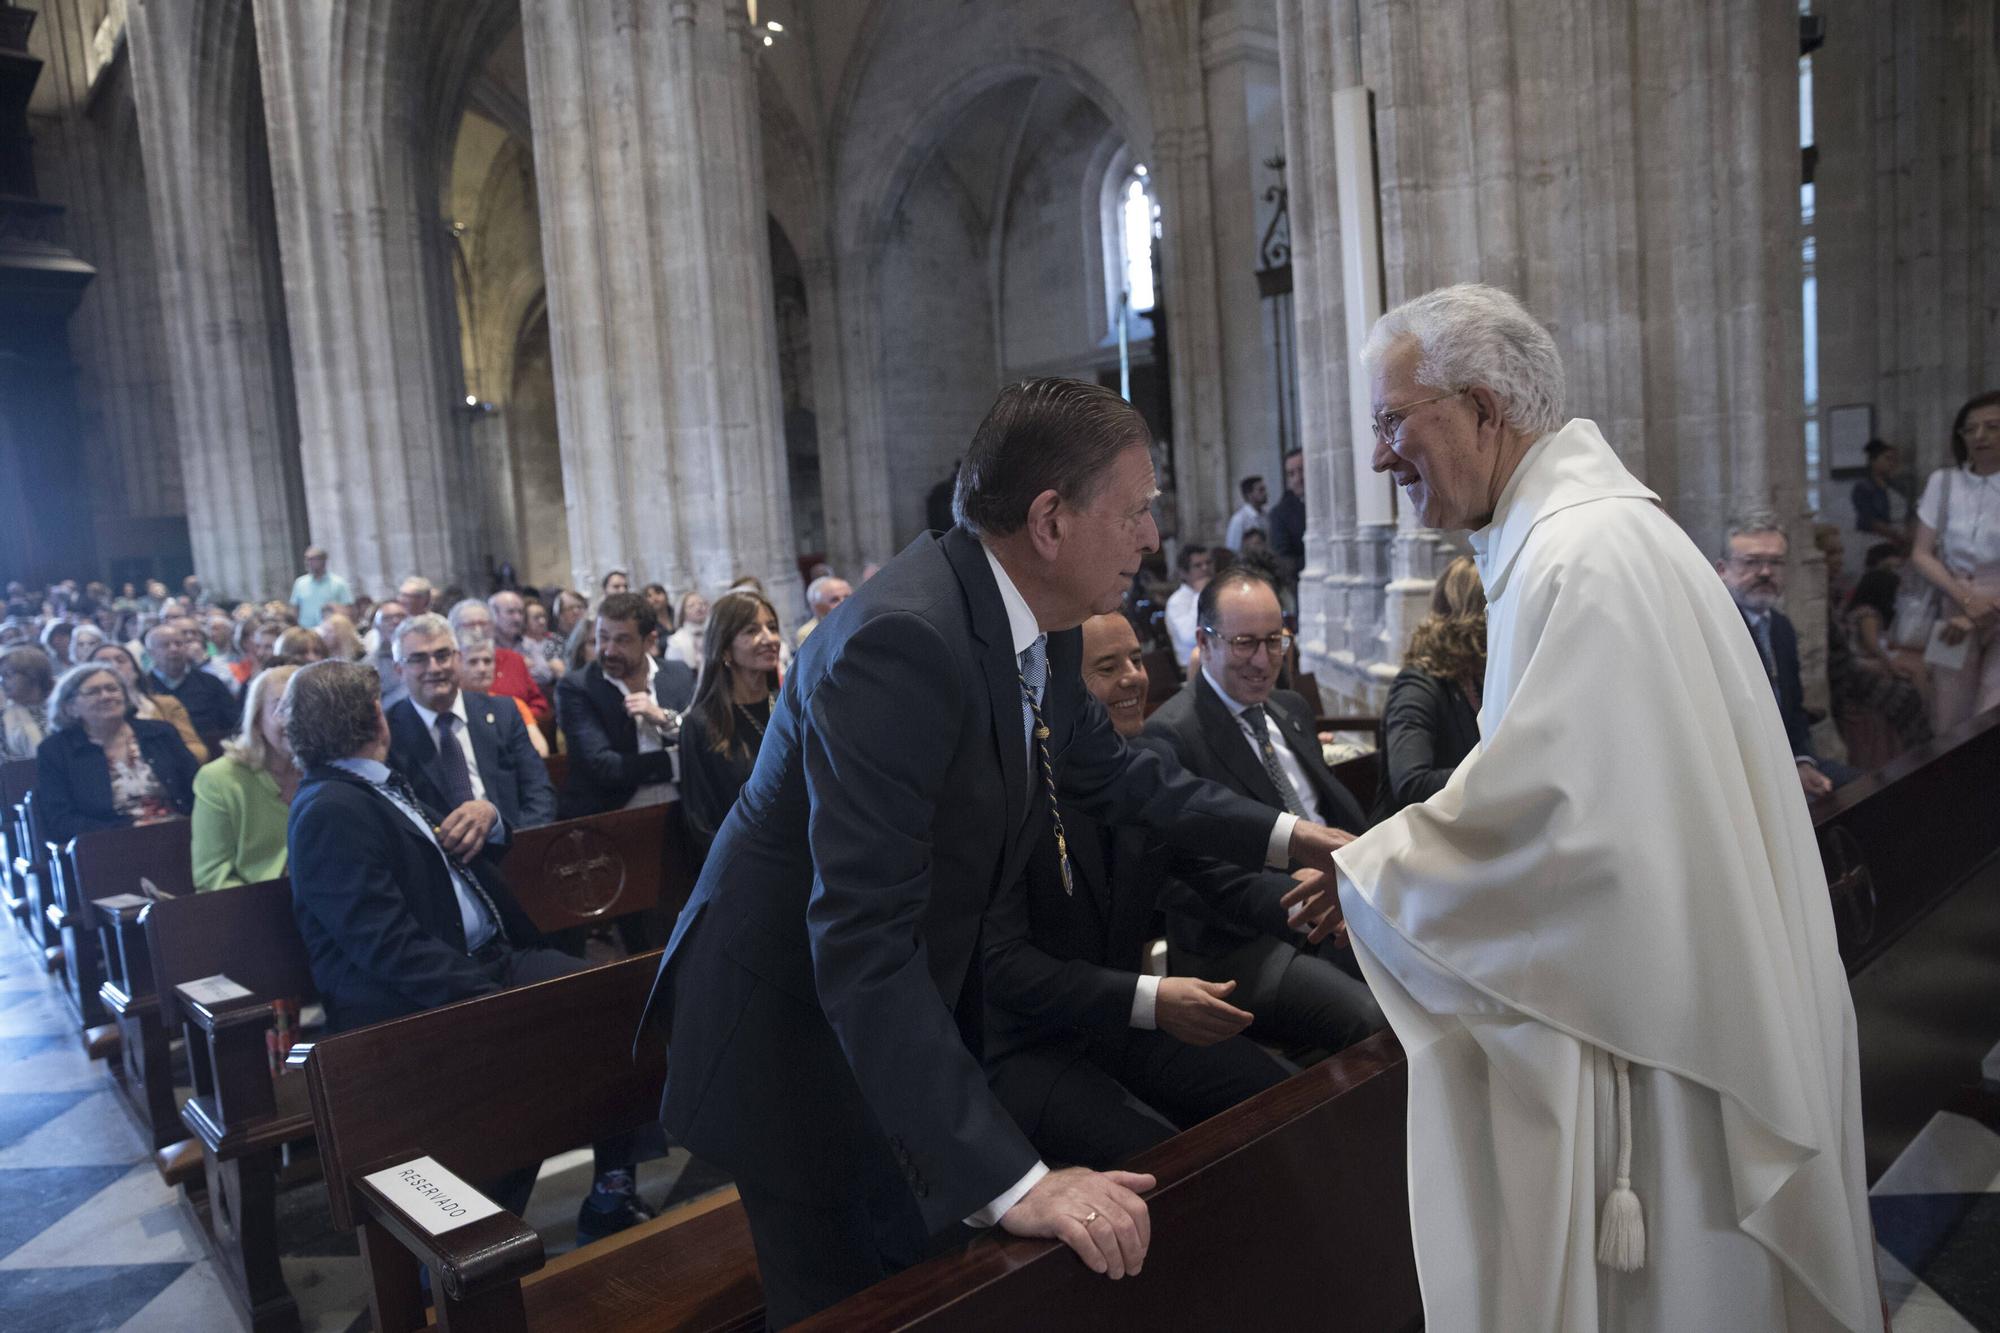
(1195, 565)
(1255, 496)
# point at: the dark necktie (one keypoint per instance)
(400, 790)
(457, 777)
(1760, 630)
(1034, 675)
(1260, 727)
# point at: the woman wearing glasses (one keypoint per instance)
(1957, 548)
(102, 765)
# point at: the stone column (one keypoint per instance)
(660, 302)
(194, 67)
(385, 456)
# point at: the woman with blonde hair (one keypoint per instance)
(1432, 718)
(342, 640)
(243, 800)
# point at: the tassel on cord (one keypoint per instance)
(1621, 1240)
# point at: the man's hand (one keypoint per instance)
(1313, 904)
(466, 829)
(1313, 845)
(1196, 1012)
(1816, 783)
(641, 706)
(1099, 1214)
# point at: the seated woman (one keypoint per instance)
(297, 647)
(152, 707)
(475, 673)
(1432, 719)
(343, 642)
(1880, 682)
(83, 642)
(25, 679)
(724, 726)
(243, 800)
(102, 765)
(686, 643)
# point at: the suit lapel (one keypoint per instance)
(1231, 746)
(479, 724)
(1003, 674)
(1303, 742)
(1086, 854)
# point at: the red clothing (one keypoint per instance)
(511, 678)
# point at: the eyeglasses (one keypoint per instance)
(1389, 425)
(442, 657)
(1755, 562)
(1243, 647)
(101, 692)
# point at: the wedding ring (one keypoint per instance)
(1092, 1218)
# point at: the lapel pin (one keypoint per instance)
(489, 719)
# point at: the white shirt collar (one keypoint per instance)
(1020, 620)
(368, 770)
(1235, 709)
(431, 719)
(652, 669)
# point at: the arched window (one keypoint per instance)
(1138, 226)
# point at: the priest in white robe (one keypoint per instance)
(1621, 876)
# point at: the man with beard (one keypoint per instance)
(621, 714)
(1753, 568)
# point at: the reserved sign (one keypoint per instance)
(438, 1200)
(213, 990)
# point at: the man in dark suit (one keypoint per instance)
(821, 988)
(1231, 724)
(401, 911)
(1752, 566)
(621, 714)
(460, 749)
(176, 650)
(1094, 1060)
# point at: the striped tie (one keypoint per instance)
(1034, 676)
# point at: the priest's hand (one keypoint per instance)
(1816, 783)
(466, 829)
(1196, 1012)
(1099, 1214)
(1313, 906)
(1313, 845)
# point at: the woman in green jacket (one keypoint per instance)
(242, 800)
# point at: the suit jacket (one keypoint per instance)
(1060, 966)
(1428, 727)
(605, 766)
(376, 907)
(211, 705)
(1212, 906)
(820, 987)
(515, 777)
(1785, 683)
(73, 778)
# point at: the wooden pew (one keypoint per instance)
(1287, 1212)
(1912, 857)
(242, 1118)
(427, 1087)
(17, 779)
(31, 866)
(584, 871)
(108, 863)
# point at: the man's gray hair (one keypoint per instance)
(330, 710)
(1752, 523)
(819, 586)
(1472, 335)
(429, 623)
(416, 583)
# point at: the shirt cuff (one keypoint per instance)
(1278, 856)
(996, 1210)
(1145, 1000)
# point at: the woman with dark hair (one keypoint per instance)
(724, 725)
(1876, 684)
(297, 647)
(1957, 548)
(103, 766)
(152, 707)
(1432, 718)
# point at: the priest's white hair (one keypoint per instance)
(1474, 335)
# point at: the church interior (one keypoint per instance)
(529, 310)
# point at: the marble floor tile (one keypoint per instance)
(1953, 1154)
(94, 1131)
(32, 1202)
(82, 1299)
(24, 1113)
(135, 1219)
(194, 1302)
(331, 1292)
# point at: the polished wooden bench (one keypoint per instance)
(1912, 857)
(31, 869)
(17, 779)
(243, 1120)
(489, 1085)
(108, 863)
(584, 871)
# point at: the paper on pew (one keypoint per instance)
(213, 990)
(432, 1196)
(123, 900)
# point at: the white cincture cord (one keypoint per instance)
(1621, 1240)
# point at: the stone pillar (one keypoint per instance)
(384, 453)
(194, 66)
(854, 495)
(660, 302)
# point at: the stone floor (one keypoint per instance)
(90, 1239)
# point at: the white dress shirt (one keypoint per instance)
(461, 733)
(1971, 539)
(1181, 605)
(478, 924)
(651, 741)
(1287, 761)
(1242, 521)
